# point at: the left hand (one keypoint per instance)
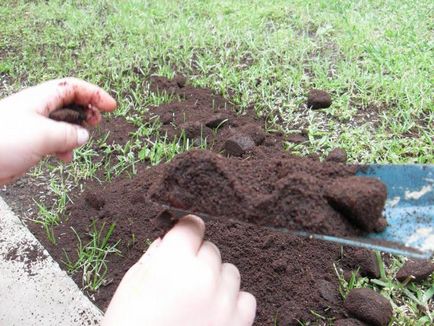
(26, 132)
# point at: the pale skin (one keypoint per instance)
(181, 279)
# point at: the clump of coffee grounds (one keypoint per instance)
(247, 192)
(278, 192)
(72, 113)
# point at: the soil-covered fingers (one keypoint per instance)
(185, 237)
(58, 93)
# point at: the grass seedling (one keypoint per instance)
(163, 150)
(92, 256)
(48, 219)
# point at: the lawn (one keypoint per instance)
(375, 58)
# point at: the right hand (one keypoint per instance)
(181, 280)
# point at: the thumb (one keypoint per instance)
(61, 137)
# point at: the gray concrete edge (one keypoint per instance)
(36, 291)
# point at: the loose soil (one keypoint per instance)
(26, 253)
(250, 192)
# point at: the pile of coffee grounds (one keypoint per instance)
(245, 192)
(282, 192)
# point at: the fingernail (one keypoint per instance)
(82, 136)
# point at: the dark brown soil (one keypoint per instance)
(363, 261)
(349, 322)
(200, 114)
(284, 192)
(415, 270)
(360, 199)
(318, 99)
(72, 113)
(337, 155)
(246, 192)
(369, 306)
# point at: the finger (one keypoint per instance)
(186, 236)
(246, 308)
(61, 92)
(230, 279)
(93, 116)
(144, 260)
(65, 156)
(58, 137)
(210, 255)
(152, 249)
(229, 288)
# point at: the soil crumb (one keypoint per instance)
(28, 253)
(362, 260)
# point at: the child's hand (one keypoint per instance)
(26, 133)
(181, 280)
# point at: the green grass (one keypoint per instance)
(49, 215)
(92, 257)
(374, 57)
(368, 54)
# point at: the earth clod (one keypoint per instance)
(337, 155)
(297, 138)
(360, 199)
(255, 132)
(318, 99)
(416, 270)
(72, 113)
(362, 260)
(369, 306)
(195, 129)
(328, 291)
(238, 144)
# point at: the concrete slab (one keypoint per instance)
(33, 288)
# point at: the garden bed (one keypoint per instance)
(239, 176)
